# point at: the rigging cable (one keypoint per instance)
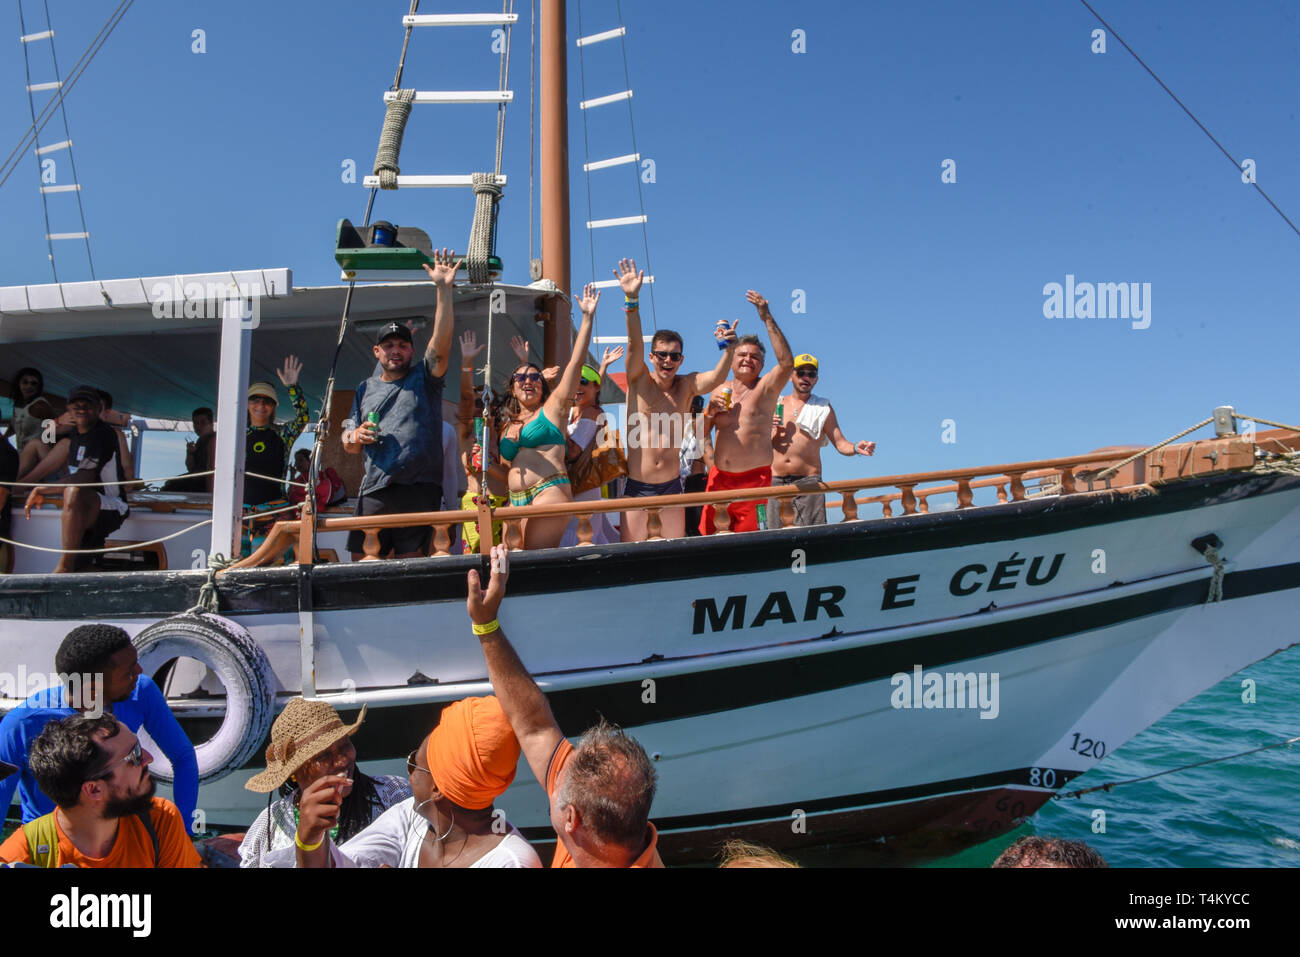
(78, 68)
(1236, 165)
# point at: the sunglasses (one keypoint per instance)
(805, 373)
(522, 377)
(412, 767)
(134, 757)
(261, 400)
(668, 356)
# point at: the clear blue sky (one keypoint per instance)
(775, 170)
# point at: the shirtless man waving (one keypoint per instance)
(742, 449)
(658, 410)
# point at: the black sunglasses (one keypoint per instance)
(522, 377)
(668, 356)
(805, 373)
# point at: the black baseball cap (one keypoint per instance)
(89, 393)
(393, 329)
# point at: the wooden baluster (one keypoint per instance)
(909, 499)
(371, 547)
(654, 526)
(513, 534)
(923, 503)
(850, 506)
(722, 518)
(886, 510)
(1017, 486)
(585, 533)
(785, 511)
(1067, 482)
(1002, 493)
(965, 497)
(441, 541)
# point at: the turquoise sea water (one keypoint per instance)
(1240, 813)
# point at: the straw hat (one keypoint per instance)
(303, 730)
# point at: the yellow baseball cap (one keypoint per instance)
(806, 360)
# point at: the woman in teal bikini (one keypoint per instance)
(534, 445)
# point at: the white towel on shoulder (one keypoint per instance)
(813, 415)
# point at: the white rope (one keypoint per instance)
(270, 478)
(1276, 425)
(115, 548)
(257, 516)
(1114, 469)
(48, 484)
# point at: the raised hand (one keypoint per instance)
(551, 375)
(289, 374)
(759, 303)
(590, 297)
(629, 278)
(865, 448)
(520, 346)
(444, 268)
(611, 356)
(319, 806)
(482, 604)
(469, 347)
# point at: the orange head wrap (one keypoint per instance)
(473, 752)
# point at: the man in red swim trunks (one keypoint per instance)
(742, 447)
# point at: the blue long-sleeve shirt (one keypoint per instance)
(146, 707)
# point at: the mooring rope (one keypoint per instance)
(1111, 785)
(1216, 583)
(482, 236)
(1114, 469)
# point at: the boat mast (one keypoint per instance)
(553, 39)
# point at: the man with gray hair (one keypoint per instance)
(601, 790)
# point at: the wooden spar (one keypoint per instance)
(553, 38)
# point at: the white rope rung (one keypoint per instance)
(429, 182)
(71, 236)
(459, 19)
(66, 144)
(621, 221)
(602, 37)
(603, 100)
(458, 96)
(39, 87)
(616, 161)
(611, 283)
(45, 35)
(72, 188)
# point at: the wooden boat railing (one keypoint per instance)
(1011, 483)
(907, 493)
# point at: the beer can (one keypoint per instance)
(726, 396)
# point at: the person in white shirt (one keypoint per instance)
(456, 774)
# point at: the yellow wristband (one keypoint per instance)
(491, 626)
(306, 847)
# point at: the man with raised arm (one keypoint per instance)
(396, 419)
(600, 790)
(741, 412)
(806, 422)
(658, 410)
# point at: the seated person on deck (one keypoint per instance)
(93, 454)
